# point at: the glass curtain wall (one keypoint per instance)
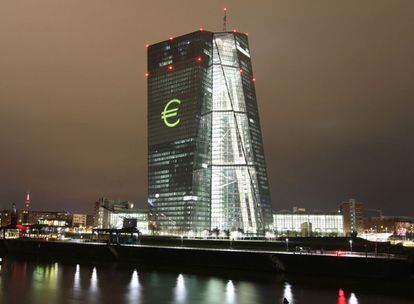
(234, 198)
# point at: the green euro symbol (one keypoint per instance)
(168, 113)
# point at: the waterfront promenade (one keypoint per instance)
(253, 257)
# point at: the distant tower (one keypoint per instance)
(225, 20)
(14, 215)
(26, 209)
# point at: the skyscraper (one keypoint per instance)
(26, 210)
(206, 166)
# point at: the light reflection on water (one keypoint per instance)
(287, 293)
(76, 279)
(230, 293)
(94, 281)
(353, 299)
(35, 282)
(180, 292)
(134, 289)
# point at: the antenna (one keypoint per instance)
(225, 20)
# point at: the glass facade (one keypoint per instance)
(206, 166)
(318, 224)
(116, 220)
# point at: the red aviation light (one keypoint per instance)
(199, 59)
(201, 29)
(171, 38)
(254, 79)
(170, 68)
(147, 45)
(241, 71)
(234, 31)
(146, 74)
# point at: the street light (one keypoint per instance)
(350, 244)
(287, 244)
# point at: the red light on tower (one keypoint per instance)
(234, 31)
(241, 71)
(147, 45)
(170, 67)
(171, 38)
(254, 79)
(201, 29)
(199, 59)
(146, 74)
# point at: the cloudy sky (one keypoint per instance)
(335, 87)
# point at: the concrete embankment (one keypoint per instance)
(225, 258)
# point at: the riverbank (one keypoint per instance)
(246, 259)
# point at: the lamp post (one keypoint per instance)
(287, 244)
(350, 245)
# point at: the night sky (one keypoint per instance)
(335, 87)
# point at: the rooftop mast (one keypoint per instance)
(225, 20)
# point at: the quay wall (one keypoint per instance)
(220, 258)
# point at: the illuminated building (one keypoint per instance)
(398, 225)
(353, 213)
(78, 220)
(308, 223)
(206, 166)
(112, 214)
(5, 218)
(50, 218)
(25, 215)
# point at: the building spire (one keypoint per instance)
(225, 20)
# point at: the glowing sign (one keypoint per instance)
(169, 113)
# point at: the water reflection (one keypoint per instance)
(94, 281)
(36, 282)
(353, 299)
(77, 283)
(230, 292)
(45, 283)
(134, 294)
(180, 292)
(214, 291)
(341, 297)
(76, 279)
(93, 287)
(247, 293)
(287, 293)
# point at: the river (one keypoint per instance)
(43, 282)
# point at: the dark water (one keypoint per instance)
(34, 281)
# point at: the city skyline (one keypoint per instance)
(335, 100)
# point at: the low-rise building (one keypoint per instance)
(79, 220)
(307, 223)
(50, 218)
(5, 218)
(397, 225)
(110, 214)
